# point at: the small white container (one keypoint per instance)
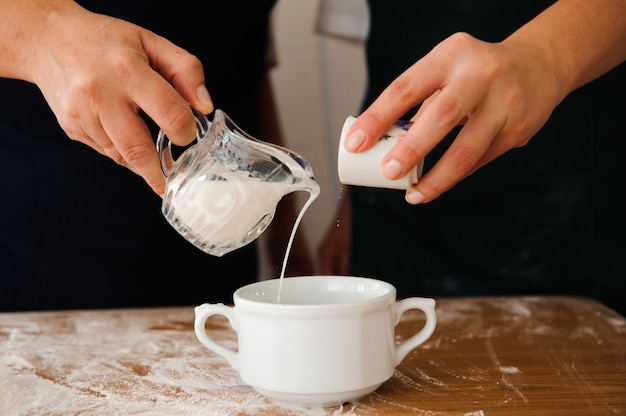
(364, 168)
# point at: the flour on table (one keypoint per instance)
(73, 365)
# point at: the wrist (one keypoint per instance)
(578, 40)
(26, 28)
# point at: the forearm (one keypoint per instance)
(96, 72)
(579, 40)
(24, 27)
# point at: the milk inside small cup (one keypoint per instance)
(329, 340)
(364, 168)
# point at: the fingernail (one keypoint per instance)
(414, 197)
(204, 97)
(355, 140)
(392, 169)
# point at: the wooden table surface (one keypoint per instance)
(488, 356)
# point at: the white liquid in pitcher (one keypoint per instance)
(222, 212)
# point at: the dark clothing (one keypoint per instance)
(79, 231)
(544, 219)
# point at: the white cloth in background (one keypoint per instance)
(343, 18)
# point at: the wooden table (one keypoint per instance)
(488, 356)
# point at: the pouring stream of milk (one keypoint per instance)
(313, 193)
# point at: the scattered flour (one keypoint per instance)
(148, 362)
(132, 363)
(509, 370)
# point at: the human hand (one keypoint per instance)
(98, 72)
(501, 93)
(334, 252)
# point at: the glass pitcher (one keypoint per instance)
(221, 193)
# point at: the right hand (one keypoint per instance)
(97, 72)
(500, 94)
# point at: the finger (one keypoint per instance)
(422, 108)
(82, 137)
(408, 90)
(446, 109)
(130, 138)
(89, 131)
(182, 69)
(476, 144)
(164, 105)
(102, 145)
(100, 141)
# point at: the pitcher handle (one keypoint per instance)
(164, 146)
(426, 305)
(204, 312)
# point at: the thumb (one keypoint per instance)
(182, 69)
